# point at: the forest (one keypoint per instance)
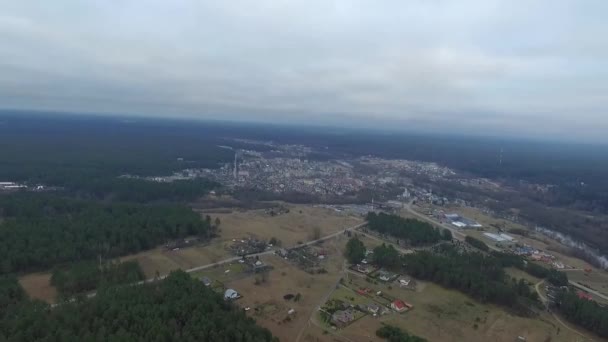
(43, 230)
(178, 308)
(415, 232)
(86, 276)
(139, 190)
(586, 313)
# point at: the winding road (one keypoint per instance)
(544, 300)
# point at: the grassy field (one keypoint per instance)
(445, 315)
(597, 280)
(519, 274)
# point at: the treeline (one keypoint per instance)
(396, 334)
(42, 230)
(414, 231)
(89, 275)
(586, 313)
(178, 308)
(141, 191)
(480, 276)
(477, 243)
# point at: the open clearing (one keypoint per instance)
(38, 286)
(298, 225)
(290, 228)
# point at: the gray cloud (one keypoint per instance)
(533, 68)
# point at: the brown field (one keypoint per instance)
(37, 286)
(284, 279)
(293, 227)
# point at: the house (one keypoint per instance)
(400, 306)
(342, 318)
(386, 276)
(206, 281)
(231, 294)
(404, 282)
(584, 295)
(373, 308)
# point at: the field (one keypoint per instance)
(38, 286)
(266, 300)
(298, 225)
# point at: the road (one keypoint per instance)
(544, 300)
(585, 288)
(229, 260)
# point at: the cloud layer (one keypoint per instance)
(533, 68)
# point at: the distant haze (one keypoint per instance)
(536, 68)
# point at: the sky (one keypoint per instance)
(533, 68)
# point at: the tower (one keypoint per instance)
(500, 159)
(235, 163)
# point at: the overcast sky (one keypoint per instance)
(515, 67)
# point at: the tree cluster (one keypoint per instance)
(586, 313)
(475, 274)
(355, 250)
(178, 308)
(89, 275)
(414, 231)
(477, 243)
(41, 230)
(386, 256)
(395, 334)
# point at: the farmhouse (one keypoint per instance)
(400, 306)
